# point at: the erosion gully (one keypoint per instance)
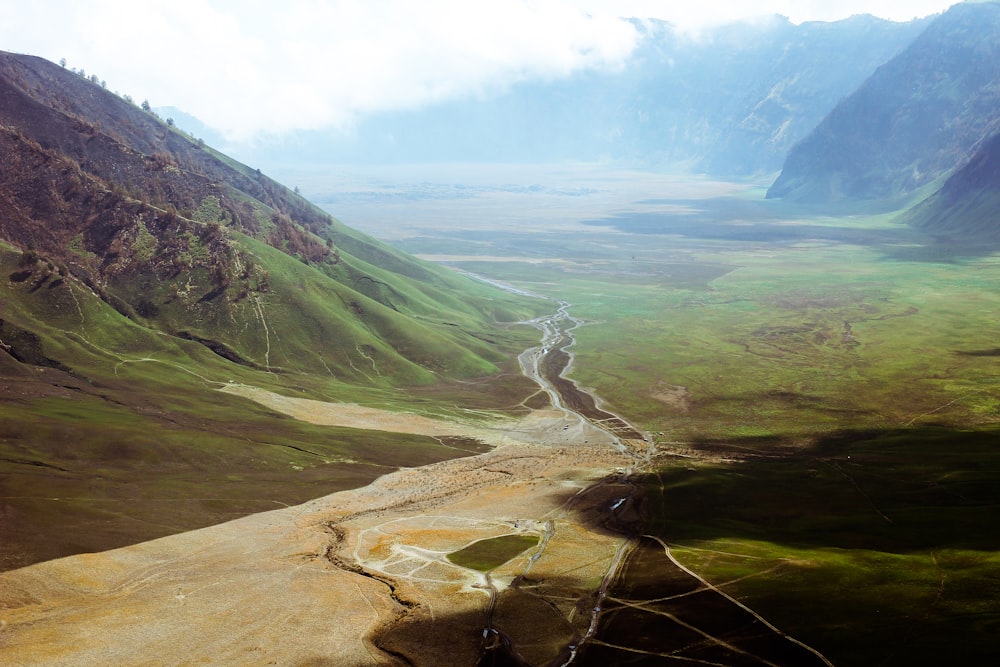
(649, 608)
(547, 364)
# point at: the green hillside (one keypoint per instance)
(140, 271)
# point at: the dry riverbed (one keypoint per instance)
(364, 577)
(349, 579)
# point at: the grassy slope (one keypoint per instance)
(157, 268)
(113, 432)
(194, 243)
(307, 319)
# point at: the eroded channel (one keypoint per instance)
(595, 589)
(648, 609)
(608, 502)
(549, 363)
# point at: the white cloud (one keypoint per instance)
(248, 67)
(709, 12)
(257, 66)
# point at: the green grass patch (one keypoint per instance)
(489, 554)
(872, 548)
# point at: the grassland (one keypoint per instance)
(114, 432)
(823, 396)
(848, 399)
(778, 343)
(486, 555)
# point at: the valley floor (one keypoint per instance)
(318, 581)
(363, 577)
(820, 459)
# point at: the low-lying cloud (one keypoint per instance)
(252, 67)
(256, 67)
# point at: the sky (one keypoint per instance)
(257, 68)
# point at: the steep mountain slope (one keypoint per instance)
(912, 121)
(170, 233)
(730, 100)
(968, 204)
(141, 271)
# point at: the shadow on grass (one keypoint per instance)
(896, 491)
(873, 548)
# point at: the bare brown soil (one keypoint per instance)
(675, 397)
(362, 577)
(327, 578)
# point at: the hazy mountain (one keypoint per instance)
(730, 100)
(911, 122)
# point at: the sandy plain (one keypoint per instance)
(341, 580)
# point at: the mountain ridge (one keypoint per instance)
(163, 204)
(964, 208)
(916, 118)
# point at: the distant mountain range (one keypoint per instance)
(854, 111)
(729, 101)
(861, 112)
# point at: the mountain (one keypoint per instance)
(916, 118)
(179, 238)
(141, 271)
(730, 100)
(966, 205)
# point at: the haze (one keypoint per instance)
(257, 69)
